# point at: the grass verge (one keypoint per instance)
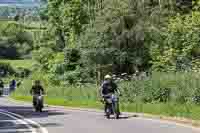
(62, 102)
(188, 111)
(18, 63)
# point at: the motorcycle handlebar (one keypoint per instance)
(111, 95)
(38, 95)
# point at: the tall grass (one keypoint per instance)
(139, 95)
(182, 87)
(86, 92)
(18, 63)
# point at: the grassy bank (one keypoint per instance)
(161, 109)
(144, 95)
(138, 96)
(62, 102)
(18, 63)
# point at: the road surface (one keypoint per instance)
(58, 120)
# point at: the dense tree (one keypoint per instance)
(119, 36)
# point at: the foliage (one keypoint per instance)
(6, 69)
(42, 57)
(26, 64)
(162, 87)
(82, 40)
(125, 35)
(15, 68)
(122, 30)
(15, 42)
(180, 48)
(68, 18)
(22, 72)
(134, 92)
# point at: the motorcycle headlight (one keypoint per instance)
(109, 100)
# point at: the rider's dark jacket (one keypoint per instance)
(37, 90)
(1, 84)
(108, 87)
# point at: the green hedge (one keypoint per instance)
(178, 88)
(163, 87)
(6, 69)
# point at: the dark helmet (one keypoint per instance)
(37, 82)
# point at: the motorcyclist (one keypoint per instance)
(12, 85)
(1, 83)
(108, 87)
(37, 89)
(1, 86)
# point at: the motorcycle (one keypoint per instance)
(112, 106)
(38, 103)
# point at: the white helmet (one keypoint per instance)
(108, 77)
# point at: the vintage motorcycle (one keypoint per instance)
(112, 106)
(38, 103)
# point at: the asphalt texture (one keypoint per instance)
(19, 117)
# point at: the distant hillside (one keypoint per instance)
(19, 1)
(22, 3)
(10, 8)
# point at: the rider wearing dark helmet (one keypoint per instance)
(36, 89)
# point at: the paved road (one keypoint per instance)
(73, 121)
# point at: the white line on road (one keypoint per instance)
(13, 121)
(19, 120)
(42, 129)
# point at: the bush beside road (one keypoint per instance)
(145, 95)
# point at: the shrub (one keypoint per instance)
(196, 96)
(22, 72)
(162, 87)
(6, 69)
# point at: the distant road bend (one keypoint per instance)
(18, 118)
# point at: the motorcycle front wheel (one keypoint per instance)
(116, 110)
(116, 115)
(107, 113)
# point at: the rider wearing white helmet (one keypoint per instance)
(108, 87)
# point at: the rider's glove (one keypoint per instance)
(102, 100)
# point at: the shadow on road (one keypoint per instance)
(9, 123)
(28, 112)
(126, 117)
(45, 125)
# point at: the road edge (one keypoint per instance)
(22, 118)
(22, 121)
(194, 124)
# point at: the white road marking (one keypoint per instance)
(13, 121)
(42, 129)
(19, 120)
